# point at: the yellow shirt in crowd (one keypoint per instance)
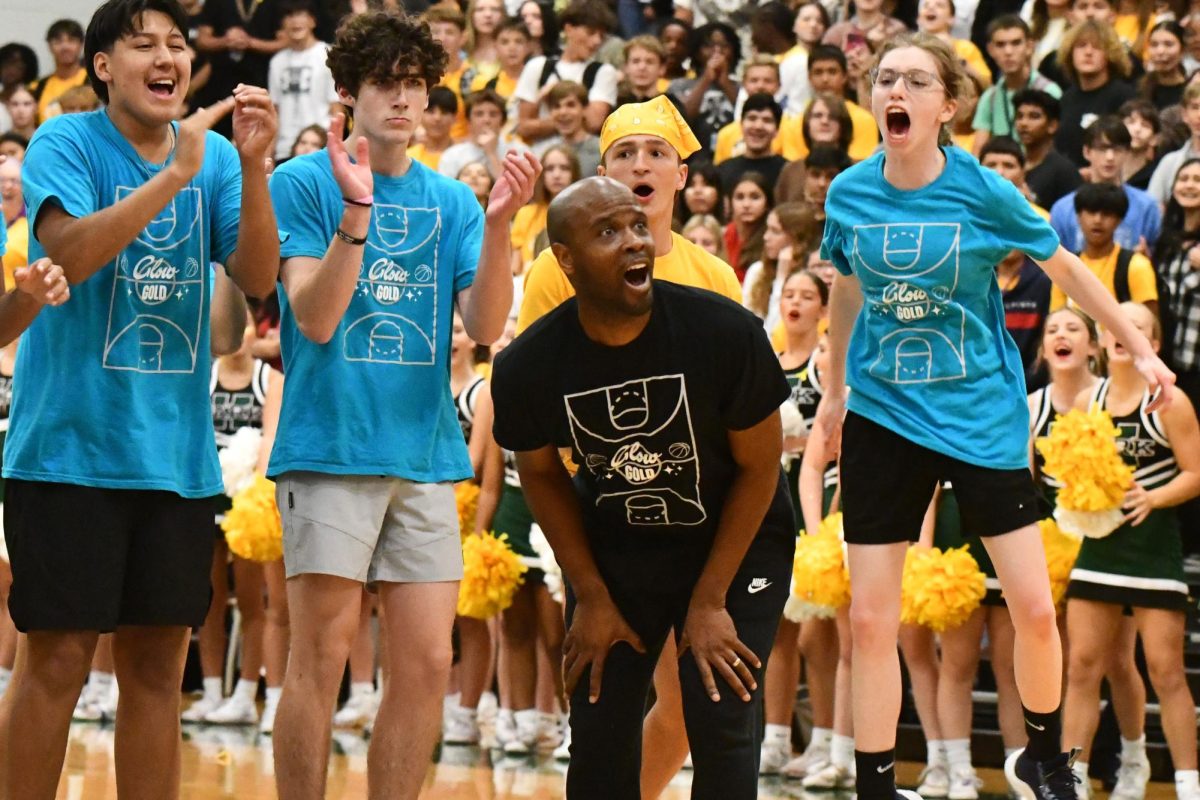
(966, 50)
(418, 152)
(528, 222)
(453, 82)
(17, 251)
(730, 144)
(546, 287)
(1142, 287)
(505, 86)
(54, 88)
(863, 141)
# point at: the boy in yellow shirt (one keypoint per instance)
(65, 40)
(828, 72)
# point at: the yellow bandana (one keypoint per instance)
(657, 117)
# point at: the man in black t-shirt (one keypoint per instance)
(678, 517)
(1049, 174)
(761, 116)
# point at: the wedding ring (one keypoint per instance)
(737, 662)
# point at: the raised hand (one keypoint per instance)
(255, 124)
(44, 282)
(353, 177)
(1160, 380)
(189, 149)
(514, 187)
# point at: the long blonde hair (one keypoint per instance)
(950, 71)
(1105, 36)
(799, 223)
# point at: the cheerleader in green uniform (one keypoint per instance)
(1071, 350)
(1140, 565)
(802, 303)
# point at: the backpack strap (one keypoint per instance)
(1121, 275)
(547, 70)
(589, 74)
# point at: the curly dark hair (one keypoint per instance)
(379, 46)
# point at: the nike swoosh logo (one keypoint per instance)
(757, 589)
(1035, 727)
(882, 770)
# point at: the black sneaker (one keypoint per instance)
(1045, 780)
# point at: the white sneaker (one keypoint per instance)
(487, 708)
(506, 728)
(773, 757)
(563, 751)
(964, 783)
(460, 726)
(234, 711)
(201, 708)
(1187, 792)
(524, 740)
(357, 711)
(550, 732)
(829, 777)
(266, 725)
(907, 794)
(934, 781)
(1132, 777)
(811, 760)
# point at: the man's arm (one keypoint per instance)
(594, 115)
(227, 316)
(845, 303)
(84, 245)
(254, 265)
(485, 305)
(40, 284)
(530, 126)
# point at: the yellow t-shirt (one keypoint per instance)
(16, 252)
(964, 140)
(54, 87)
(1126, 26)
(968, 52)
(730, 144)
(505, 86)
(528, 222)
(863, 140)
(453, 82)
(1142, 287)
(546, 287)
(418, 152)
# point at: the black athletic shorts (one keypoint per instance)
(888, 481)
(91, 559)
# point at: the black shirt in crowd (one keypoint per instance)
(1080, 109)
(732, 169)
(1026, 305)
(1055, 177)
(648, 422)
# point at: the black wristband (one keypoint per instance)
(348, 239)
(350, 202)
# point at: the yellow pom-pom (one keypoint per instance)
(820, 580)
(492, 573)
(252, 527)
(1061, 552)
(1081, 452)
(940, 590)
(466, 495)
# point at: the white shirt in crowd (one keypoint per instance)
(301, 87)
(752, 273)
(604, 88)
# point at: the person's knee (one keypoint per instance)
(1166, 672)
(150, 667)
(518, 627)
(425, 666)
(1037, 617)
(59, 663)
(874, 629)
(1086, 665)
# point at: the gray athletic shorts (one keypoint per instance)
(369, 528)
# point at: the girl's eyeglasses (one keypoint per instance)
(917, 80)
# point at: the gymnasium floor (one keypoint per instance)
(227, 762)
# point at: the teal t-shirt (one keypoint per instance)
(929, 356)
(112, 386)
(375, 399)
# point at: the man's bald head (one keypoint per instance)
(571, 206)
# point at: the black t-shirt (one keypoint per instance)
(1080, 109)
(1167, 96)
(647, 422)
(261, 20)
(1026, 305)
(731, 170)
(1057, 176)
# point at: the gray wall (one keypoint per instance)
(26, 21)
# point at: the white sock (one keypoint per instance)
(841, 751)
(1008, 751)
(363, 688)
(958, 752)
(1080, 769)
(100, 679)
(245, 690)
(273, 694)
(935, 752)
(1133, 750)
(212, 689)
(1187, 781)
(778, 736)
(821, 737)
